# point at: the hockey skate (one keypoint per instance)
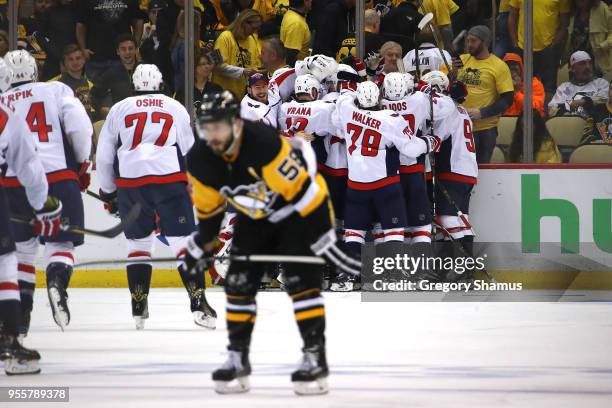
(140, 310)
(311, 376)
(233, 376)
(343, 282)
(203, 314)
(18, 360)
(58, 299)
(24, 327)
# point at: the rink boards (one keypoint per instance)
(547, 226)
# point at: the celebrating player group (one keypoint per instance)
(311, 163)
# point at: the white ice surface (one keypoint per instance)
(380, 354)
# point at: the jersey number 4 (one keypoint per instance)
(139, 119)
(370, 142)
(37, 121)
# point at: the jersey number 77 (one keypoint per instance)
(140, 118)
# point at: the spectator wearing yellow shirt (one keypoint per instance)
(502, 37)
(240, 51)
(550, 22)
(442, 11)
(294, 31)
(490, 90)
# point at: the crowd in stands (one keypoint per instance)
(94, 46)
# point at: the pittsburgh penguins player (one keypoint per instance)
(283, 208)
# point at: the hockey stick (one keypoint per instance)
(463, 249)
(426, 21)
(335, 255)
(108, 233)
(312, 260)
(94, 195)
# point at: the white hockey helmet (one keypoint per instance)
(368, 94)
(6, 76)
(436, 80)
(409, 82)
(395, 86)
(147, 77)
(304, 84)
(23, 66)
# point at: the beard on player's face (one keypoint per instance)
(218, 135)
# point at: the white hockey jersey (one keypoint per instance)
(456, 159)
(280, 87)
(58, 124)
(374, 140)
(430, 59)
(316, 118)
(18, 150)
(148, 135)
(597, 90)
(415, 109)
(255, 111)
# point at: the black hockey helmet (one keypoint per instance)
(216, 107)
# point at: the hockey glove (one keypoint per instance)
(110, 202)
(196, 260)
(48, 219)
(433, 143)
(84, 175)
(321, 66)
(374, 63)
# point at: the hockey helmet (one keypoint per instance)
(147, 77)
(23, 66)
(368, 94)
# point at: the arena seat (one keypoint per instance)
(505, 129)
(562, 75)
(97, 126)
(595, 153)
(566, 130)
(498, 156)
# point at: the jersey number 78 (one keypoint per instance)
(369, 143)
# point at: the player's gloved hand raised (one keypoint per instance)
(433, 143)
(110, 202)
(48, 219)
(321, 66)
(84, 175)
(196, 260)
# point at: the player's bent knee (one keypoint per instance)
(59, 252)
(8, 277)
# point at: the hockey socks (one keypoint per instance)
(139, 282)
(241, 313)
(310, 316)
(58, 277)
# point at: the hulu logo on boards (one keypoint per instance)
(533, 208)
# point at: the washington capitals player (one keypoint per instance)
(374, 140)
(415, 108)
(456, 166)
(62, 132)
(17, 150)
(254, 106)
(148, 135)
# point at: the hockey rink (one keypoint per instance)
(380, 354)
